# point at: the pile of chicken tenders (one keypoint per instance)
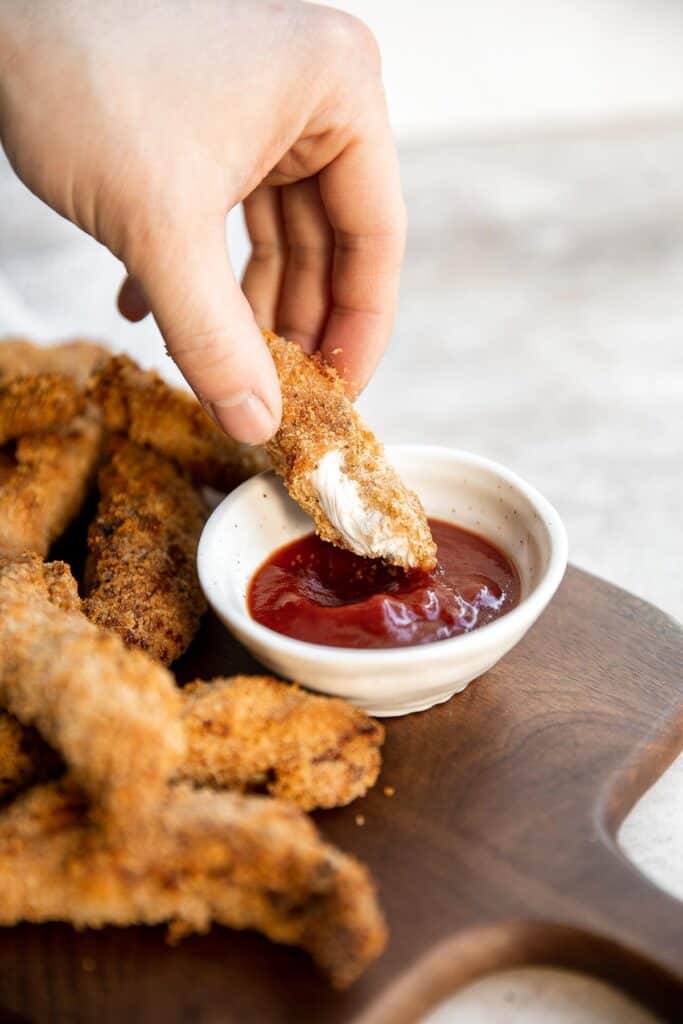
(127, 799)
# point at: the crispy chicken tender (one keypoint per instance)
(75, 359)
(139, 403)
(141, 575)
(25, 758)
(253, 731)
(336, 470)
(112, 713)
(37, 402)
(245, 733)
(43, 486)
(245, 862)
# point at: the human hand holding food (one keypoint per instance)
(179, 119)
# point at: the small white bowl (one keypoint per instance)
(259, 517)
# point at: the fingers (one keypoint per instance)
(262, 278)
(208, 326)
(361, 192)
(305, 295)
(131, 302)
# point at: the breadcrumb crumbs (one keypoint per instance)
(360, 819)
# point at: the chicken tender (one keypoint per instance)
(336, 469)
(140, 404)
(25, 758)
(254, 731)
(112, 713)
(245, 862)
(246, 733)
(74, 359)
(43, 486)
(141, 575)
(37, 402)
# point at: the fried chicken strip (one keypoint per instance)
(336, 470)
(252, 731)
(112, 713)
(140, 404)
(44, 485)
(141, 576)
(37, 402)
(245, 862)
(244, 733)
(74, 359)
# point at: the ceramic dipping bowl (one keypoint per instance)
(468, 490)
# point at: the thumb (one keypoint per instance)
(209, 328)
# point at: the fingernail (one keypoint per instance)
(245, 417)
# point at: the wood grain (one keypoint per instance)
(496, 850)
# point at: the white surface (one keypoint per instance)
(454, 66)
(539, 995)
(258, 517)
(540, 323)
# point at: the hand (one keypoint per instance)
(145, 123)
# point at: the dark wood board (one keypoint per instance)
(497, 848)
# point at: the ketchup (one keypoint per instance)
(314, 591)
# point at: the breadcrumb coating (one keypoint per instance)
(140, 404)
(317, 417)
(112, 713)
(44, 484)
(245, 862)
(141, 575)
(255, 731)
(245, 733)
(37, 402)
(74, 359)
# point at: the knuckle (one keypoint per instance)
(200, 353)
(349, 36)
(266, 252)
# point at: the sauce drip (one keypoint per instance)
(314, 591)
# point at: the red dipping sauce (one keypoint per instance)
(314, 591)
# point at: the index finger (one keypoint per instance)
(361, 192)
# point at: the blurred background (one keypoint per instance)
(541, 315)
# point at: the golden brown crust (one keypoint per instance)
(112, 713)
(317, 417)
(141, 574)
(246, 862)
(46, 483)
(37, 402)
(139, 403)
(247, 733)
(255, 731)
(75, 359)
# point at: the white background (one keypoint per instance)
(488, 65)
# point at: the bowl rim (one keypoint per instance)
(495, 633)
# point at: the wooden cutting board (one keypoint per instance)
(496, 850)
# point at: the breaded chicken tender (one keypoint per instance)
(141, 575)
(140, 404)
(336, 469)
(112, 713)
(255, 731)
(37, 402)
(74, 359)
(44, 484)
(25, 758)
(245, 862)
(245, 733)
